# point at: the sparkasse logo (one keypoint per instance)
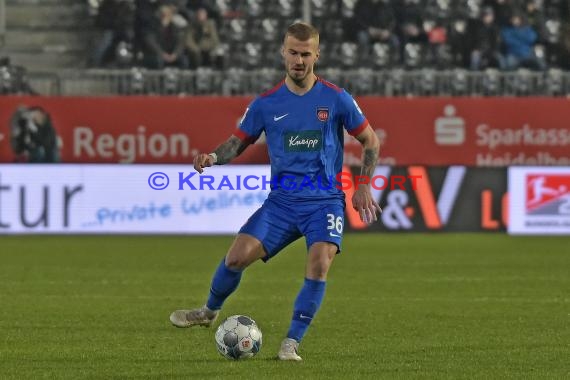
(449, 129)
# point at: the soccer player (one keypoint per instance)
(303, 119)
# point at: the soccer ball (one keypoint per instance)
(238, 337)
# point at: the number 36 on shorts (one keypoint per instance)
(335, 223)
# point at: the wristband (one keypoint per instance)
(214, 156)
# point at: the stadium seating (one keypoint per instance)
(381, 56)
(251, 32)
(58, 31)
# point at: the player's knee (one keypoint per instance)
(320, 275)
(237, 261)
(318, 270)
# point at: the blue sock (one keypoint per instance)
(306, 305)
(224, 283)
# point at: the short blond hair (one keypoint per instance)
(302, 31)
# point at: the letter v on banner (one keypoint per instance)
(351, 213)
(437, 214)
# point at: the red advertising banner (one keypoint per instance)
(423, 131)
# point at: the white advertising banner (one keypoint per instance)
(539, 200)
(93, 199)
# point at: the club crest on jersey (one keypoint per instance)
(323, 113)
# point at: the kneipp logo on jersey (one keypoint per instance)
(547, 194)
(303, 141)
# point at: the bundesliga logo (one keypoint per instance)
(547, 194)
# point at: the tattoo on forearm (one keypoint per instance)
(370, 157)
(229, 150)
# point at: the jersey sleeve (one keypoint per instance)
(251, 123)
(351, 116)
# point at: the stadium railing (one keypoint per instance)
(251, 82)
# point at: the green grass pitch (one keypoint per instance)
(404, 306)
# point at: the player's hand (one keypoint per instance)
(201, 161)
(367, 207)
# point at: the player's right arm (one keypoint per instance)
(249, 129)
(223, 154)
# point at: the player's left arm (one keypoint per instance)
(362, 200)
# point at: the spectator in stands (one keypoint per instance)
(503, 9)
(33, 137)
(374, 21)
(519, 39)
(409, 15)
(145, 13)
(14, 79)
(564, 10)
(164, 41)
(202, 39)
(485, 39)
(459, 40)
(192, 7)
(564, 47)
(535, 18)
(437, 43)
(115, 18)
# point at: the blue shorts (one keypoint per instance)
(277, 224)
